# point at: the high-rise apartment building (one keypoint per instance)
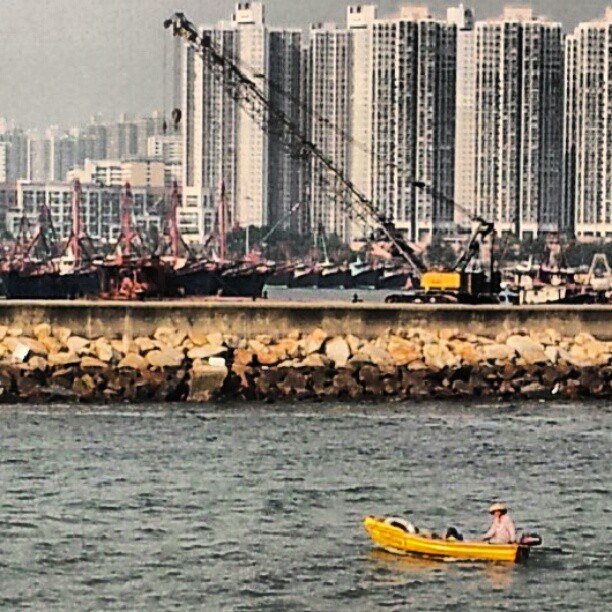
(587, 145)
(285, 166)
(223, 143)
(4, 155)
(39, 158)
(517, 127)
(62, 153)
(329, 90)
(13, 155)
(121, 139)
(414, 120)
(153, 125)
(465, 113)
(8, 201)
(360, 20)
(383, 95)
(97, 131)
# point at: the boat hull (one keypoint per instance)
(396, 540)
(392, 281)
(246, 284)
(280, 278)
(365, 278)
(334, 280)
(51, 285)
(195, 280)
(299, 281)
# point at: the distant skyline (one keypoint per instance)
(65, 60)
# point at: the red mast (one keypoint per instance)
(74, 242)
(175, 238)
(126, 222)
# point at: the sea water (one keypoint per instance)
(251, 508)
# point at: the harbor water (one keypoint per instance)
(310, 294)
(252, 508)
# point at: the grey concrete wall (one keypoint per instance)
(247, 319)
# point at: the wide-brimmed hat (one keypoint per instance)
(497, 507)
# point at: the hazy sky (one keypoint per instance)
(63, 60)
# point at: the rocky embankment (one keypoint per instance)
(52, 364)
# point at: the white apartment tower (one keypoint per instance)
(465, 113)
(517, 182)
(360, 21)
(587, 146)
(329, 126)
(383, 97)
(285, 165)
(4, 162)
(413, 120)
(225, 145)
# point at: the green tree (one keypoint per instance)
(440, 254)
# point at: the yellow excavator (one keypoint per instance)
(467, 281)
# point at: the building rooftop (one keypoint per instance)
(604, 20)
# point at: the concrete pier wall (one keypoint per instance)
(248, 319)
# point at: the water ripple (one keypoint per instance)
(261, 509)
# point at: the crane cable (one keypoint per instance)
(164, 85)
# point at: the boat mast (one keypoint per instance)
(74, 241)
(126, 221)
(173, 221)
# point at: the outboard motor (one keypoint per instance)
(530, 539)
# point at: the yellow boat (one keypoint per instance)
(392, 536)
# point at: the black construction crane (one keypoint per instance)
(257, 104)
(459, 283)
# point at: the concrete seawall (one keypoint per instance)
(152, 352)
(248, 319)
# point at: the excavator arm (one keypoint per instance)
(482, 228)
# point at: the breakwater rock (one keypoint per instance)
(53, 364)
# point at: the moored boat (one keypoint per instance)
(243, 280)
(195, 278)
(393, 536)
(331, 276)
(303, 276)
(44, 284)
(392, 278)
(363, 275)
(282, 276)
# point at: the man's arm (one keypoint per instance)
(490, 533)
(511, 530)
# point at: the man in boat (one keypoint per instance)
(502, 530)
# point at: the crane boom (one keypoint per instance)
(257, 104)
(481, 230)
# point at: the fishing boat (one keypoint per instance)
(392, 277)
(281, 276)
(243, 280)
(303, 276)
(48, 284)
(331, 276)
(394, 535)
(363, 275)
(197, 277)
